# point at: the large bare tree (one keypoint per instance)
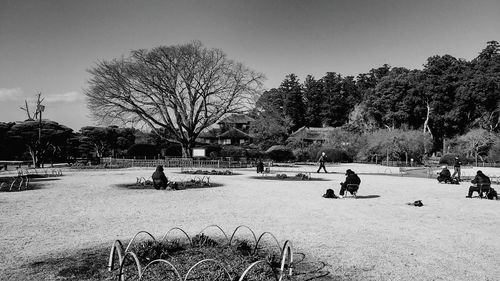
(177, 91)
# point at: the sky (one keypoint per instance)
(48, 46)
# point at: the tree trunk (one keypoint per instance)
(33, 156)
(476, 155)
(427, 129)
(187, 149)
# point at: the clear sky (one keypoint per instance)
(47, 45)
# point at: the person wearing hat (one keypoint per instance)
(351, 178)
(482, 181)
(322, 160)
(456, 168)
(444, 175)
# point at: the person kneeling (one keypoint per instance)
(160, 181)
(444, 175)
(351, 178)
(482, 182)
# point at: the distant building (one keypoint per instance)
(310, 135)
(232, 130)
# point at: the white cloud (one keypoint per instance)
(17, 94)
(13, 94)
(64, 97)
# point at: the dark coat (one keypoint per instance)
(481, 179)
(159, 178)
(352, 179)
(322, 159)
(445, 173)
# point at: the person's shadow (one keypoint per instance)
(367, 196)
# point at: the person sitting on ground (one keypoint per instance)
(160, 181)
(444, 175)
(482, 181)
(351, 178)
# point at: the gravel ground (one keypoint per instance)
(374, 237)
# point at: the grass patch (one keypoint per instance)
(210, 173)
(287, 178)
(182, 186)
(90, 264)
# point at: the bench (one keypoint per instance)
(403, 171)
(4, 164)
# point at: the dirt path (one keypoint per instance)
(376, 237)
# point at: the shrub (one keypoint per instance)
(449, 159)
(233, 151)
(202, 240)
(335, 155)
(151, 250)
(301, 155)
(494, 154)
(173, 150)
(280, 153)
(213, 151)
(398, 144)
(141, 150)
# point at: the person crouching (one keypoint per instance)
(160, 181)
(444, 175)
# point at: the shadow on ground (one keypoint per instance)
(140, 186)
(367, 196)
(291, 178)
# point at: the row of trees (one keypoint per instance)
(48, 141)
(59, 143)
(179, 91)
(448, 98)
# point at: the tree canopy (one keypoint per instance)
(182, 89)
(41, 144)
(445, 99)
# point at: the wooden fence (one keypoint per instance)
(175, 162)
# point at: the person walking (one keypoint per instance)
(322, 160)
(456, 168)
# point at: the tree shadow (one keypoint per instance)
(34, 180)
(288, 178)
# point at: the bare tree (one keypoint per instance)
(178, 90)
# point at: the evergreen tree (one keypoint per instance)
(313, 98)
(293, 101)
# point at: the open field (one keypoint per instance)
(375, 237)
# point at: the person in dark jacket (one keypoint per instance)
(351, 178)
(444, 175)
(322, 160)
(260, 166)
(160, 181)
(481, 181)
(456, 168)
